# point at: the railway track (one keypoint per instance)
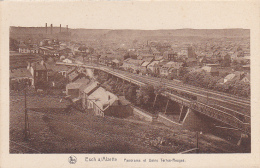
(198, 91)
(241, 105)
(238, 105)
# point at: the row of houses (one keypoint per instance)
(152, 66)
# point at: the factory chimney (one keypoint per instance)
(67, 28)
(60, 28)
(51, 28)
(46, 28)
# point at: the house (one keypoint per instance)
(121, 108)
(104, 103)
(62, 69)
(187, 52)
(94, 58)
(170, 67)
(170, 55)
(191, 62)
(155, 52)
(229, 78)
(235, 76)
(27, 48)
(115, 63)
(22, 74)
(72, 76)
(73, 89)
(86, 90)
(133, 64)
(153, 67)
(79, 60)
(48, 50)
(211, 70)
(68, 61)
(203, 61)
(246, 78)
(100, 100)
(65, 51)
(246, 67)
(144, 65)
(39, 73)
(75, 75)
(103, 60)
(145, 56)
(158, 58)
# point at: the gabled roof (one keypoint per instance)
(91, 86)
(133, 61)
(230, 76)
(73, 85)
(149, 59)
(191, 60)
(102, 98)
(82, 80)
(71, 70)
(115, 61)
(247, 76)
(144, 64)
(162, 63)
(38, 66)
(158, 57)
(153, 63)
(209, 69)
(73, 75)
(172, 64)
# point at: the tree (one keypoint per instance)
(59, 81)
(158, 90)
(13, 45)
(145, 96)
(82, 48)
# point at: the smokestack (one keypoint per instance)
(67, 28)
(46, 28)
(51, 28)
(60, 28)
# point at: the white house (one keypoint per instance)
(68, 61)
(100, 100)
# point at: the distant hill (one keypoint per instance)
(38, 32)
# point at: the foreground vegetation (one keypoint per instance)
(76, 132)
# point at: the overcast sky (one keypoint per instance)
(132, 15)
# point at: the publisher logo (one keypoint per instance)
(72, 159)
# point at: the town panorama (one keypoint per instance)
(129, 91)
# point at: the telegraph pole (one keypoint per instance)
(26, 122)
(197, 142)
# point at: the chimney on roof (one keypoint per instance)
(51, 28)
(46, 28)
(60, 28)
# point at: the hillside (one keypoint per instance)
(76, 132)
(105, 34)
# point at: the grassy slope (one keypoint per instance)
(77, 132)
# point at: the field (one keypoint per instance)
(73, 131)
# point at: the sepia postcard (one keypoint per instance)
(130, 84)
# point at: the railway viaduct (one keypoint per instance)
(187, 108)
